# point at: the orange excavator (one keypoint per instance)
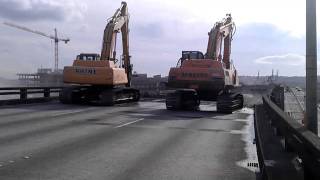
(210, 76)
(102, 78)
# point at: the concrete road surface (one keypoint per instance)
(130, 141)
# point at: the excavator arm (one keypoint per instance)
(221, 35)
(118, 22)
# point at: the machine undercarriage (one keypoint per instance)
(99, 95)
(189, 99)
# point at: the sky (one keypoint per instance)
(270, 33)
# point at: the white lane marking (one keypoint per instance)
(126, 124)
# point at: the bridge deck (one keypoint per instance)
(130, 141)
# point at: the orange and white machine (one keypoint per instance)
(209, 76)
(101, 77)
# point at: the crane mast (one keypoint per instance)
(54, 37)
(221, 35)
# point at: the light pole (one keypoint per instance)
(311, 119)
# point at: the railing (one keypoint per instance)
(19, 95)
(297, 99)
(297, 139)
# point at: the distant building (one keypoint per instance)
(44, 71)
(149, 86)
(43, 77)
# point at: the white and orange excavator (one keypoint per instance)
(210, 76)
(102, 78)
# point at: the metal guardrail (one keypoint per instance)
(297, 139)
(23, 92)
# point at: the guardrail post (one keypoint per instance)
(46, 92)
(309, 168)
(311, 67)
(287, 146)
(277, 132)
(23, 94)
(282, 98)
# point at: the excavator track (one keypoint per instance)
(228, 102)
(70, 95)
(110, 97)
(98, 95)
(182, 99)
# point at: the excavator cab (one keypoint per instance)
(189, 55)
(192, 55)
(88, 57)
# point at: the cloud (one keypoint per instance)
(288, 18)
(258, 40)
(34, 10)
(148, 30)
(286, 59)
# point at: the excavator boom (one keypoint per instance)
(119, 22)
(221, 34)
